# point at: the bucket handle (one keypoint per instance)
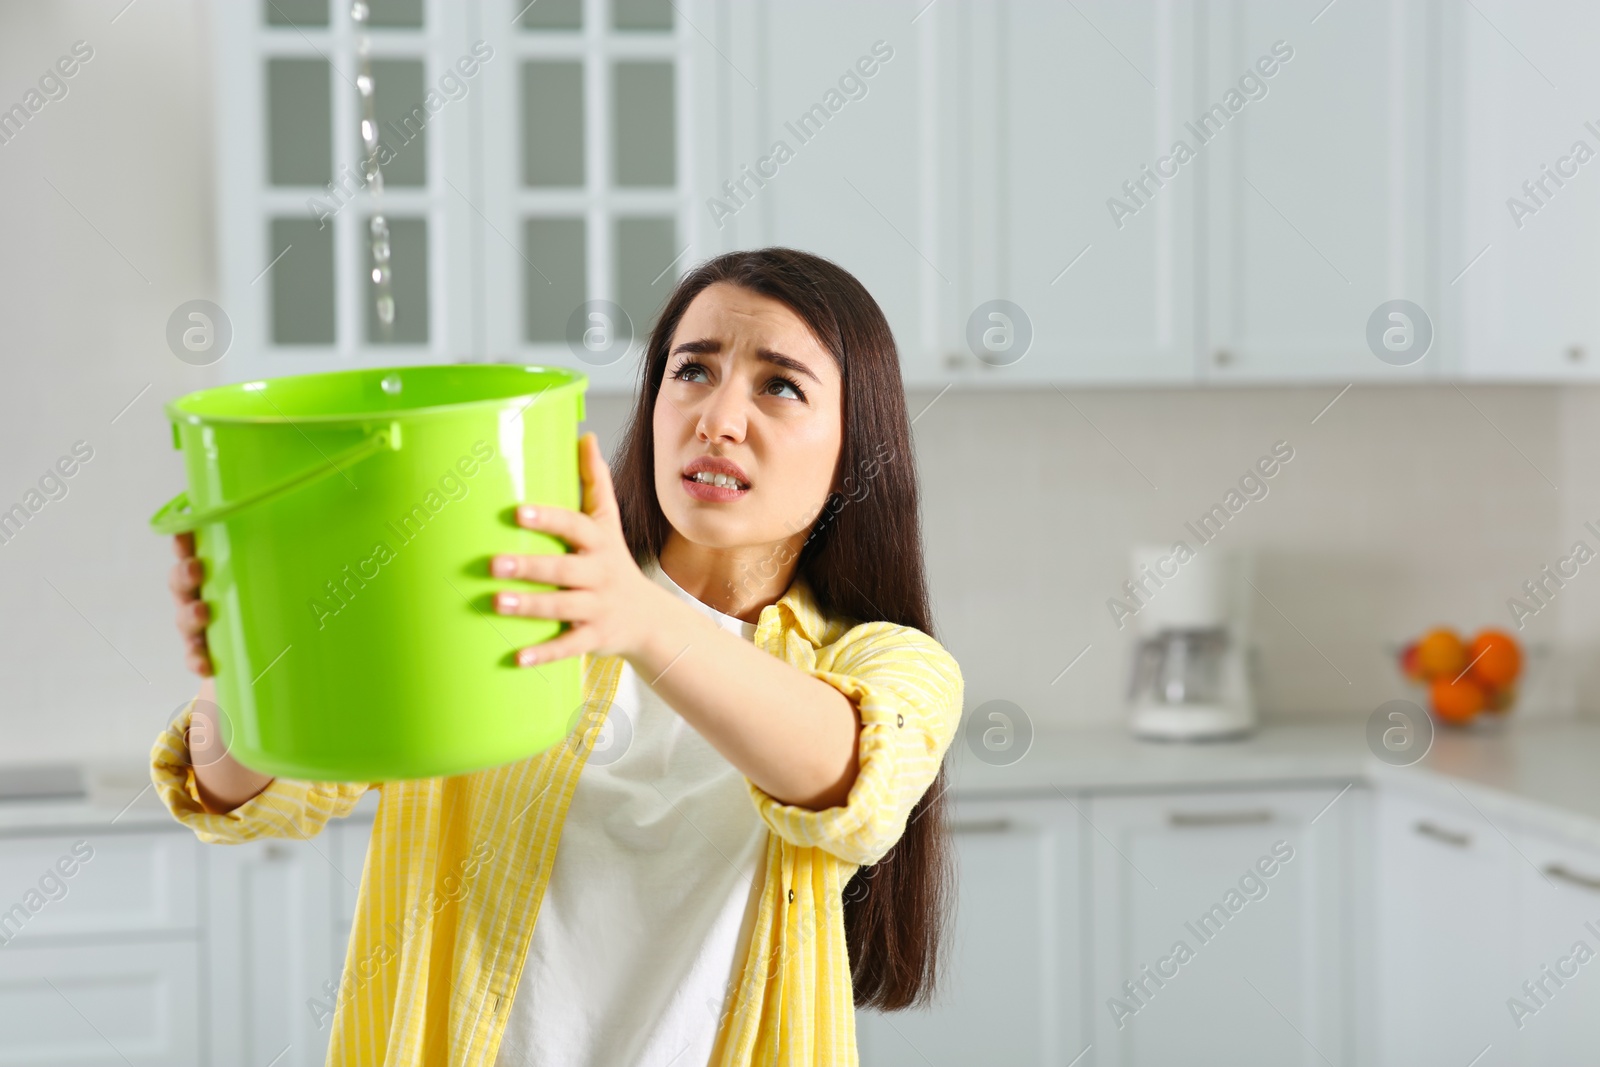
(176, 517)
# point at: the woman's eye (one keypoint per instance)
(690, 372)
(785, 388)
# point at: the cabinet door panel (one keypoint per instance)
(1521, 236)
(1322, 186)
(270, 936)
(294, 206)
(591, 175)
(128, 1005)
(1557, 945)
(1446, 930)
(119, 883)
(1260, 975)
(1085, 96)
(1012, 992)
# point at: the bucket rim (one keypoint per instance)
(576, 381)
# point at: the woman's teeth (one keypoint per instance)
(712, 478)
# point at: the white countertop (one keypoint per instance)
(1110, 759)
(1536, 774)
(120, 797)
(1539, 774)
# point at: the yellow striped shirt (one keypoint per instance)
(458, 866)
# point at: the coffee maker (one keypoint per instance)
(1189, 680)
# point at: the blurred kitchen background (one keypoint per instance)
(1179, 317)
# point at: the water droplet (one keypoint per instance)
(391, 384)
(379, 227)
(359, 10)
(364, 84)
(386, 310)
(380, 250)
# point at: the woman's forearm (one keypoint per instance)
(794, 736)
(222, 781)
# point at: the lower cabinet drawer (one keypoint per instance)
(126, 1005)
(96, 883)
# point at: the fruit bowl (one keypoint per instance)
(1464, 679)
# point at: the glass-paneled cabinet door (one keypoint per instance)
(299, 256)
(589, 159)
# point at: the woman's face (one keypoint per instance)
(747, 424)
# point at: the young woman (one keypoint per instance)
(743, 839)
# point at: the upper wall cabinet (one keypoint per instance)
(537, 163)
(297, 250)
(599, 125)
(1319, 157)
(958, 157)
(1520, 256)
(1071, 199)
(1100, 192)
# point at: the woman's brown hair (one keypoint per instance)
(862, 561)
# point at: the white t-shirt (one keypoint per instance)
(645, 922)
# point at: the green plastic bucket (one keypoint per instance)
(346, 522)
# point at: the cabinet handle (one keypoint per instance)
(276, 853)
(1219, 818)
(1575, 353)
(1557, 870)
(1439, 833)
(981, 826)
(1223, 357)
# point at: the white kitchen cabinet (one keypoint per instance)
(1013, 988)
(1253, 885)
(975, 168)
(99, 948)
(1517, 87)
(1558, 906)
(156, 949)
(1061, 104)
(1321, 186)
(96, 884)
(281, 913)
(1019, 152)
(102, 1005)
(295, 250)
(601, 124)
(1164, 212)
(1062, 904)
(1447, 925)
(269, 949)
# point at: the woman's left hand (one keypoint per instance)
(602, 590)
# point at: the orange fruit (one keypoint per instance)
(1496, 658)
(1456, 702)
(1440, 654)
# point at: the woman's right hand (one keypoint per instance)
(223, 782)
(193, 614)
